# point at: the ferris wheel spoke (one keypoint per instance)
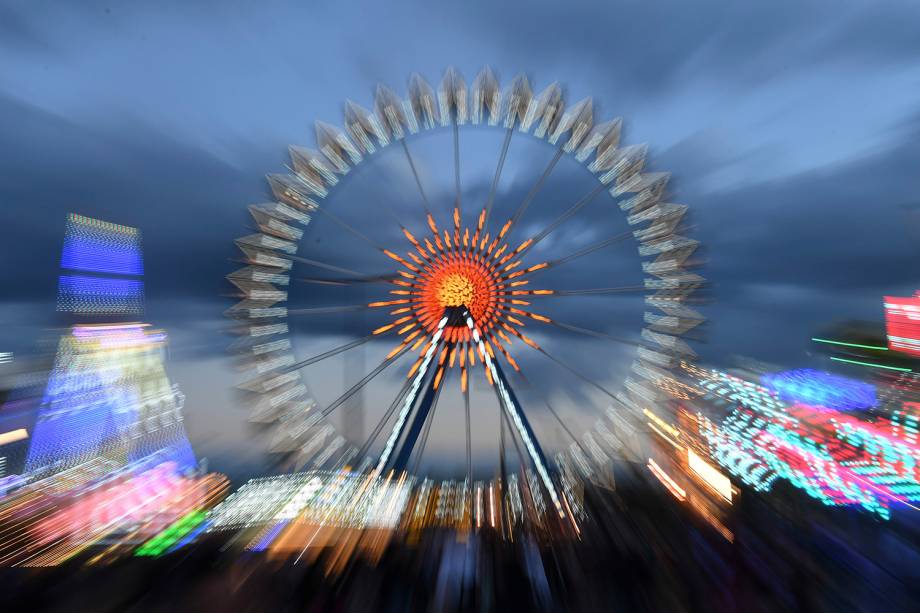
(498, 173)
(328, 310)
(527, 272)
(457, 168)
(522, 208)
(593, 333)
(418, 181)
(325, 266)
(588, 250)
(364, 381)
(429, 420)
(383, 180)
(552, 322)
(584, 378)
(530, 386)
(571, 212)
(348, 228)
(623, 289)
(388, 279)
(404, 390)
(575, 372)
(522, 459)
(332, 352)
(469, 451)
(565, 427)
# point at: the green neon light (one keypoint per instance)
(830, 342)
(171, 535)
(872, 365)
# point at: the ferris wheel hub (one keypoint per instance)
(457, 279)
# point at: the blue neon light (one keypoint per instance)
(97, 246)
(101, 256)
(99, 295)
(821, 389)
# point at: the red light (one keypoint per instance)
(902, 320)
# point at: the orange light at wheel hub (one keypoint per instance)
(458, 280)
(467, 268)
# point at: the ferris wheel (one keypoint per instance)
(463, 287)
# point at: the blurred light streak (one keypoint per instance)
(837, 457)
(674, 432)
(171, 535)
(13, 435)
(859, 363)
(820, 388)
(712, 477)
(190, 537)
(706, 514)
(843, 344)
(664, 435)
(667, 481)
(265, 538)
(832, 456)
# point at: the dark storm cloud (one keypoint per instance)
(791, 256)
(844, 221)
(790, 129)
(179, 186)
(644, 48)
(19, 34)
(120, 170)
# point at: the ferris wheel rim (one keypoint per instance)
(596, 146)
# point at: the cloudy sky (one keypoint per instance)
(791, 128)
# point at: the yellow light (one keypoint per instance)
(712, 477)
(13, 435)
(662, 434)
(662, 424)
(456, 290)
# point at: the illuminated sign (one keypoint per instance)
(902, 320)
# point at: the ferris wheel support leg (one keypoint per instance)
(418, 422)
(411, 397)
(510, 404)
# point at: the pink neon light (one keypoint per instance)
(154, 498)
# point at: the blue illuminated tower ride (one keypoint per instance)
(108, 397)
